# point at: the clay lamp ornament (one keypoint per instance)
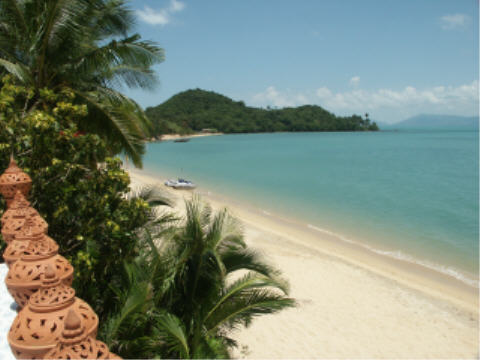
(76, 343)
(19, 207)
(14, 179)
(33, 229)
(37, 328)
(14, 220)
(25, 275)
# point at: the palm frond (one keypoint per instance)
(61, 43)
(246, 259)
(16, 69)
(112, 18)
(243, 306)
(135, 302)
(243, 285)
(152, 194)
(15, 9)
(172, 331)
(117, 118)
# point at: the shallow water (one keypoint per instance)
(408, 194)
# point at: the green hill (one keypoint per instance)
(194, 110)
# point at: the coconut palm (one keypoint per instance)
(200, 281)
(83, 47)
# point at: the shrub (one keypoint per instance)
(79, 191)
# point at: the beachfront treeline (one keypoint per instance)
(194, 110)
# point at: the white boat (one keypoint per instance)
(170, 182)
(180, 184)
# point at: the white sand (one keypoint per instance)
(352, 304)
(7, 315)
(167, 137)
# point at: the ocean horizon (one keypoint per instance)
(408, 194)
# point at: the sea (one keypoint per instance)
(408, 194)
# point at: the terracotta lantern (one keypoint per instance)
(76, 343)
(21, 220)
(14, 179)
(37, 328)
(18, 207)
(32, 229)
(24, 276)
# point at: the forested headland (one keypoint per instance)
(194, 110)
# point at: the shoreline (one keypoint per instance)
(280, 238)
(168, 137)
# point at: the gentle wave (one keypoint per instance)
(399, 255)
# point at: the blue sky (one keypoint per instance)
(390, 58)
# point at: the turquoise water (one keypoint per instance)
(408, 194)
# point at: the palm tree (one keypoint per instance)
(82, 46)
(199, 282)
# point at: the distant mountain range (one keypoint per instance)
(429, 121)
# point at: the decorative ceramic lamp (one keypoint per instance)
(19, 207)
(21, 220)
(33, 229)
(25, 275)
(14, 179)
(75, 343)
(37, 328)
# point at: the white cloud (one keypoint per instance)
(176, 6)
(354, 81)
(153, 17)
(323, 92)
(454, 21)
(161, 16)
(386, 105)
(271, 96)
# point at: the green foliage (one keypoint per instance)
(189, 285)
(77, 188)
(82, 45)
(194, 110)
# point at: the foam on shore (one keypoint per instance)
(399, 255)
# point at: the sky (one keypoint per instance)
(389, 58)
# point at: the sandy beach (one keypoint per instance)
(352, 303)
(168, 137)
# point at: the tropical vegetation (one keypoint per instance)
(77, 187)
(194, 282)
(195, 110)
(163, 286)
(84, 47)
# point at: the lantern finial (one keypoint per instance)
(72, 321)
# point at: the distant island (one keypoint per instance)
(430, 121)
(199, 110)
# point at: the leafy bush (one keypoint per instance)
(79, 191)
